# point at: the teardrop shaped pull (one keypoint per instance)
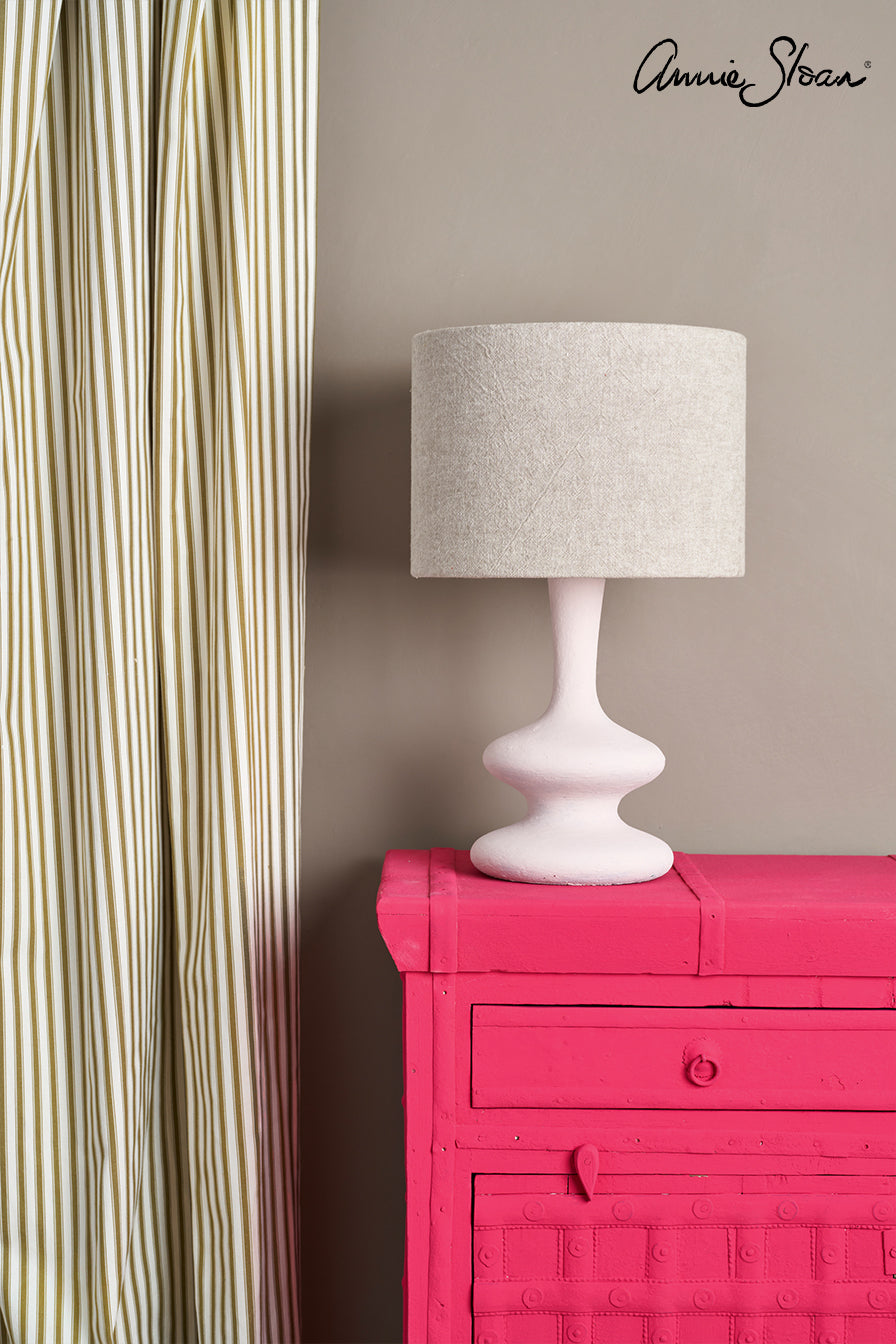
(586, 1163)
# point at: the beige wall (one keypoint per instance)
(488, 161)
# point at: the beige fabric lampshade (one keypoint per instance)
(577, 449)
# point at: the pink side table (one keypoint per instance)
(659, 1114)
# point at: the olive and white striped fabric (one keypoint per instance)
(156, 296)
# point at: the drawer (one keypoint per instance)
(689, 1259)
(665, 1058)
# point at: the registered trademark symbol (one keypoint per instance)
(867, 65)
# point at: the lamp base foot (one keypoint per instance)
(547, 851)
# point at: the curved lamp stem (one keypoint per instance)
(573, 766)
(576, 606)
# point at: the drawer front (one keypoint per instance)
(661, 1058)
(692, 1261)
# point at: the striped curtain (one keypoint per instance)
(156, 290)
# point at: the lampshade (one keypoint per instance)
(578, 449)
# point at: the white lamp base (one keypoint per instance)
(573, 767)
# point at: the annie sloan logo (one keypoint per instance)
(660, 70)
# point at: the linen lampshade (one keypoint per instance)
(577, 449)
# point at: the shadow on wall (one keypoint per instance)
(352, 1130)
(406, 681)
(361, 478)
(352, 1126)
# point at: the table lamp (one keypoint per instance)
(576, 452)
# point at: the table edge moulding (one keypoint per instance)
(727, 1028)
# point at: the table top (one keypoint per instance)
(742, 914)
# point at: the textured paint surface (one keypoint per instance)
(696, 1263)
(584, 1057)
(789, 915)
(688, 1173)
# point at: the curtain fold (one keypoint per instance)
(156, 313)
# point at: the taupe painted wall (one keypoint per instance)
(489, 161)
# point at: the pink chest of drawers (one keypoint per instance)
(653, 1115)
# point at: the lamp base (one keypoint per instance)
(552, 850)
(573, 766)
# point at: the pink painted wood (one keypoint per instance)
(662, 1112)
(809, 1059)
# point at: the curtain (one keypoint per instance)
(156, 298)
